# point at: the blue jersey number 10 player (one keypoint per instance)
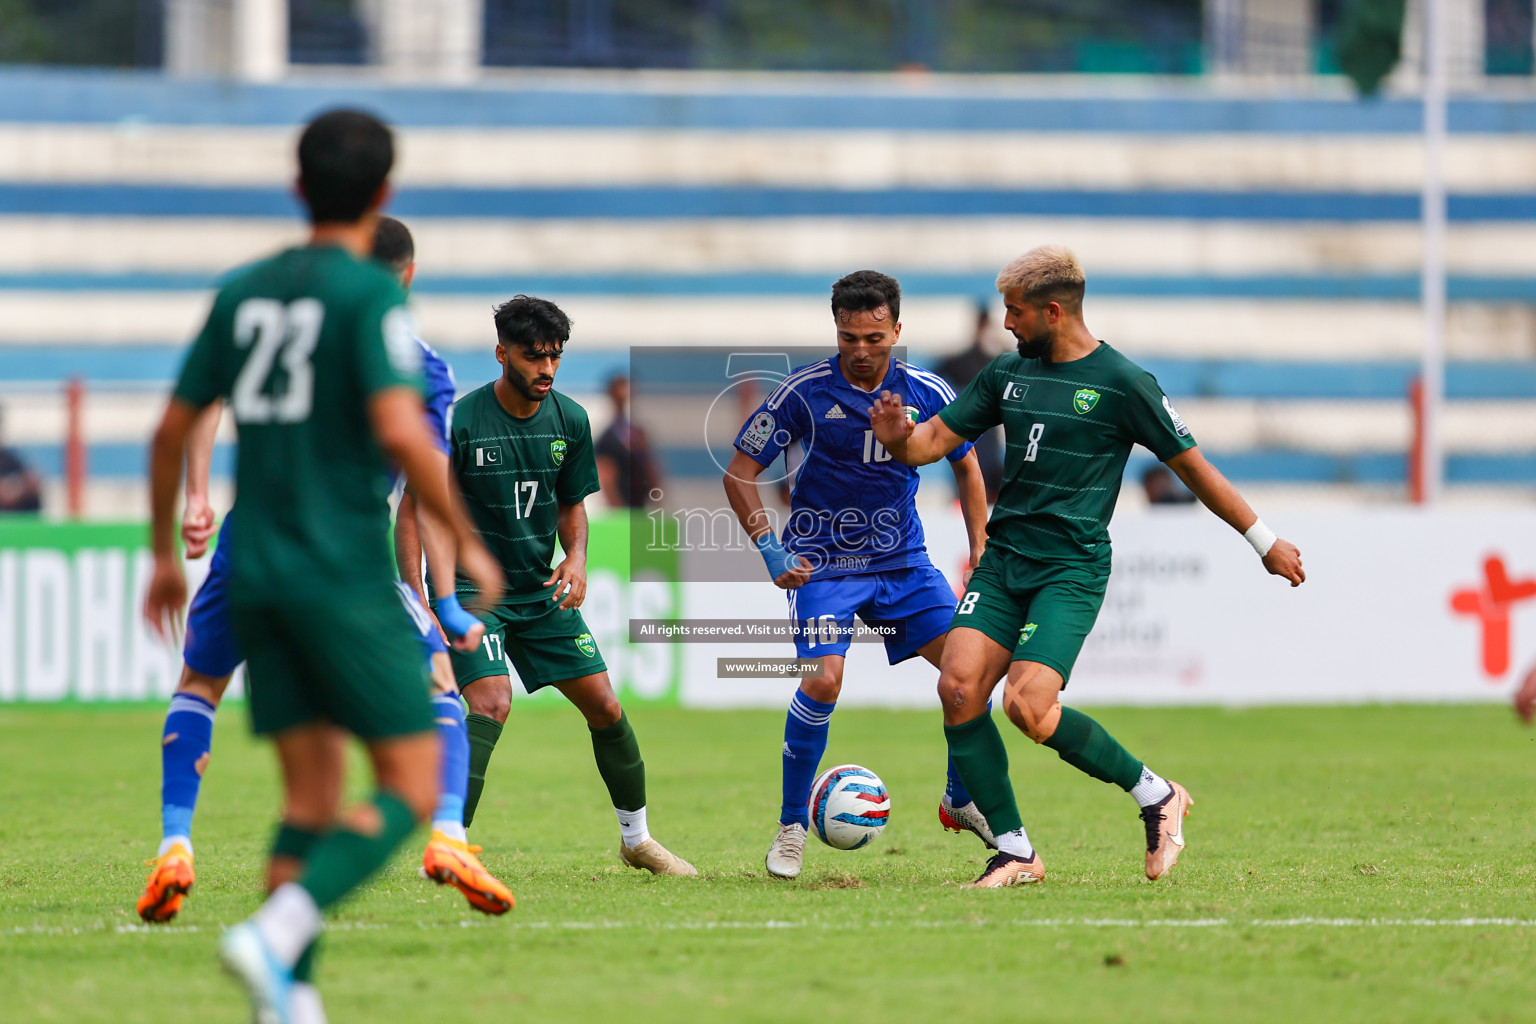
(853, 543)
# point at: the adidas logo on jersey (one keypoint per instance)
(836, 413)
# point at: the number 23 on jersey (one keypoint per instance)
(276, 334)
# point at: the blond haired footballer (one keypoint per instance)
(1071, 407)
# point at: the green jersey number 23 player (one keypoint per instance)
(312, 352)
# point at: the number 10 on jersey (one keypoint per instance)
(874, 451)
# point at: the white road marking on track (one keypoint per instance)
(771, 924)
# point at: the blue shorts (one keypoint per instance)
(915, 604)
(210, 647)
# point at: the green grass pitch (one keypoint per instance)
(1345, 864)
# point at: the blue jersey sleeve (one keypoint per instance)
(930, 393)
(779, 422)
(439, 391)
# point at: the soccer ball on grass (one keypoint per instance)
(849, 806)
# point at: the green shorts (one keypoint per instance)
(355, 663)
(545, 644)
(1042, 610)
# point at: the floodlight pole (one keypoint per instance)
(1432, 298)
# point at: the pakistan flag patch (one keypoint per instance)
(584, 642)
(1085, 400)
(557, 452)
(1029, 630)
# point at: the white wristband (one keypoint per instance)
(1261, 537)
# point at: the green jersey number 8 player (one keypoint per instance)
(1071, 406)
(522, 457)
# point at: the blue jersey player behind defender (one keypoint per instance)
(210, 656)
(853, 543)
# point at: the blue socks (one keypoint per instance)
(805, 740)
(958, 795)
(184, 749)
(448, 713)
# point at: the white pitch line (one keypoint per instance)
(1049, 922)
(1395, 922)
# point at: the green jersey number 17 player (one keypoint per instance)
(1071, 406)
(522, 457)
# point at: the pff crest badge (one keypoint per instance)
(1085, 400)
(557, 452)
(585, 645)
(1027, 632)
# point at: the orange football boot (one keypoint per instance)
(170, 880)
(1004, 869)
(450, 862)
(1165, 831)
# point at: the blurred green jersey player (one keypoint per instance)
(210, 655)
(1071, 407)
(522, 457)
(312, 352)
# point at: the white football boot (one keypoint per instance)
(966, 819)
(657, 859)
(787, 851)
(268, 983)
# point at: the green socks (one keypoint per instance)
(484, 731)
(619, 763)
(615, 748)
(342, 859)
(293, 842)
(304, 970)
(1083, 744)
(982, 761)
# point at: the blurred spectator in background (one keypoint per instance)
(1163, 488)
(20, 489)
(624, 463)
(1525, 697)
(959, 369)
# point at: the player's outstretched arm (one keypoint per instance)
(396, 416)
(197, 522)
(1216, 492)
(570, 577)
(167, 593)
(916, 444)
(787, 570)
(972, 488)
